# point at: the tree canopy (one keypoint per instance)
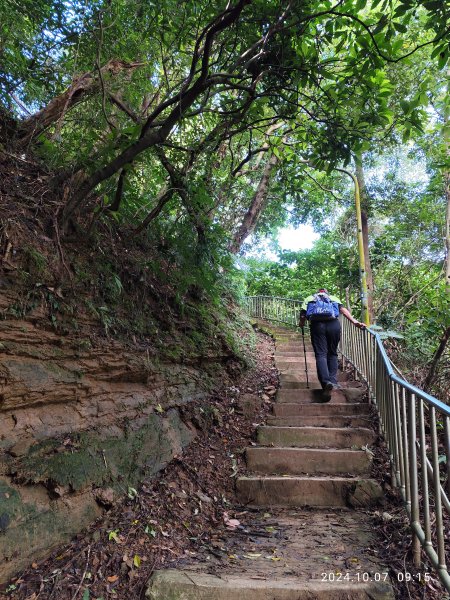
(137, 102)
(196, 124)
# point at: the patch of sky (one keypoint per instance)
(408, 164)
(288, 238)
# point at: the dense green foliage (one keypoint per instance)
(190, 126)
(407, 254)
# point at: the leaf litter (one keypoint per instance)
(187, 509)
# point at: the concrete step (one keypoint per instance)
(337, 492)
(297, 384)
(297, 350)
(312, 461)
(305, 395)
(295, 379)
(289, 345)
(295, 341)
(298, 366)
(315, 437)
(190, 585)
(300, 358)
(293, 409)
(288, 368)
(301, 378)
(294, 349)
(290, 354)
(286, 334)
(293, 368)
(315, 393)
(288, 364)
(319, 421)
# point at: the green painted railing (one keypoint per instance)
(415, 426)
(271, 308)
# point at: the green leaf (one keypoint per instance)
(381, 24)
(132, 493)
(406, 107)
(150, 531)
(113, 535)
(440, 48)
(400, 27)
(443, 58)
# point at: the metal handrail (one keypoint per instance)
(275, 308)
(414, 424)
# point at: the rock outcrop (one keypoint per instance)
(84, 417)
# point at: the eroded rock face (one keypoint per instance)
(80, 421)
(61, 486)
(50, 388)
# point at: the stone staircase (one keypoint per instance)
(303, 460)
(311, 466)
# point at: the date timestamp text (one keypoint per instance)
(366, 576)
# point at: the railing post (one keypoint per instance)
(406, 452)
(400, 458)
(413, 478)
(424, 474)
(437, 491)
(447, 450)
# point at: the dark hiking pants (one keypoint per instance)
(325, 337)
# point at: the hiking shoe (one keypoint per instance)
(336, 386)
(328, 386)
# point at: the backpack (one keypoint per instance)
(322, 308)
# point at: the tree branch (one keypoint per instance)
(435, 360)
(162, 199)
(149, 139)
(124, 108)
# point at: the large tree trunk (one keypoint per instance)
(365, 210)
(256, 207)
(82, 86)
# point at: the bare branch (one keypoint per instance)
(125, 108)
(162, 199)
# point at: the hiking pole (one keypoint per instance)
(304, 352)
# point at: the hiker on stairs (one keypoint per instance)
(322, 311)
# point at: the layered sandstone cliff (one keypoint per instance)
(84, 417)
